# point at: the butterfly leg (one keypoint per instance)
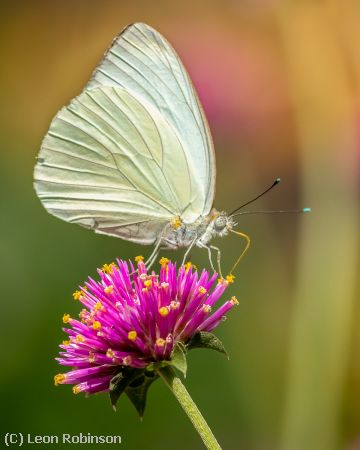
(152, 259)
(188, 251)
(201, 245)
(155, 253)
(218, 258)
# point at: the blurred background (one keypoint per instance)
(280, 83)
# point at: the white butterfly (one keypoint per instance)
(132, 155)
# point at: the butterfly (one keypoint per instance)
(132, 156)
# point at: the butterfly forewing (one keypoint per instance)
(133, 150)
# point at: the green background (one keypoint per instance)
(280, 84)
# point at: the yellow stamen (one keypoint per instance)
(92, 357)
(96, 325)
(176, 223)
(132, 335)
(109, 289)
(160, 342)
(66, 318)
(202, 290)
(143, 276)
(234, 300)
(230, 278)
(139, 258)
(108, 268)
(80, 338)
(144, 289)
(163, 261)
(99, 306)
(174, 304)
(148, 283)
(188, 266)
(77, 295)
(65, 343)
(222, 281)
(110, 353)
(206, 308)
(163, 311)
(83, 314)
(59, 379)
(127, 360)
(76, 389)
(164, 284)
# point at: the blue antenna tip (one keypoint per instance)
(306, 210)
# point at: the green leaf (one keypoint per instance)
(178, 358)
(206, 340)
(120, 381)
(137, 390)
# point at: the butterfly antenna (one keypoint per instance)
(247, 239)
(276, 182)
(289, 211)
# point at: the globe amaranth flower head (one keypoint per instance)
(135, 322)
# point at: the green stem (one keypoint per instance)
(178, 389)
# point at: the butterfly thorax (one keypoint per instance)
(201, 232)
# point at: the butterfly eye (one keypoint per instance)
(220, 223)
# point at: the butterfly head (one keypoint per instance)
(223, 224)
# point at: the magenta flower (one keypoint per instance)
(135, 322)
